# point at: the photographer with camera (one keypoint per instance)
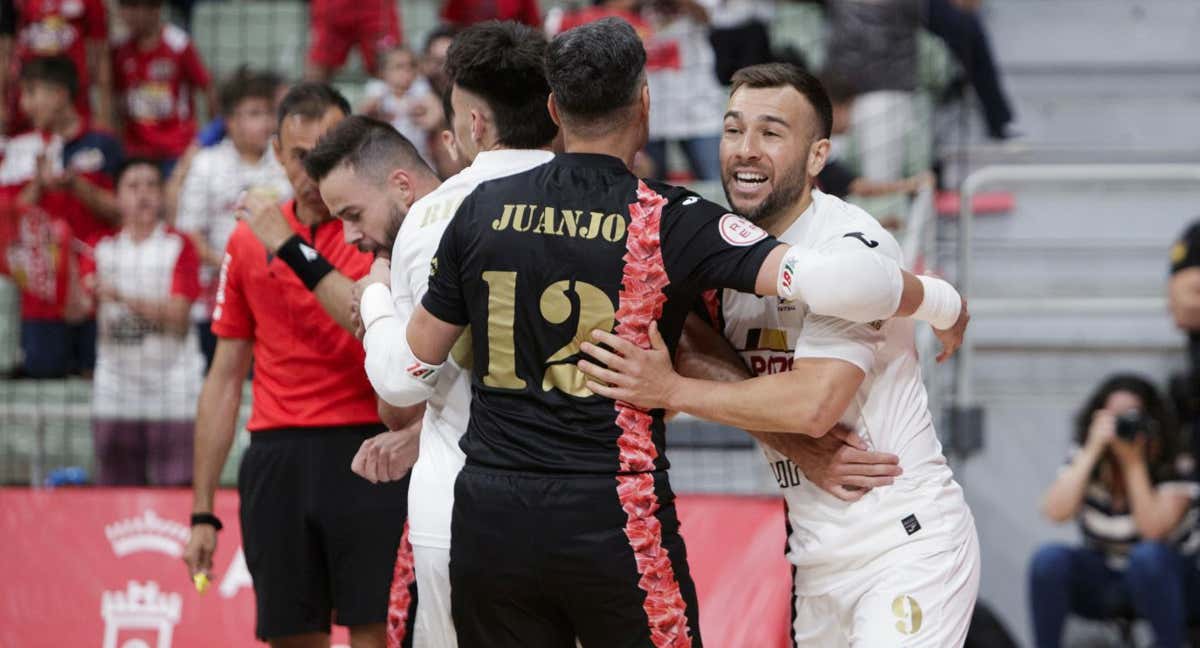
(1129, 485)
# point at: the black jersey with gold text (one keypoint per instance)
(533, 262)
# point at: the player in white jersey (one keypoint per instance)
(498, 111)
(900, 565)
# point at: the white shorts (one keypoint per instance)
(434, 627)
(921, 603)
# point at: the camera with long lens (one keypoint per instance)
(1133, 423)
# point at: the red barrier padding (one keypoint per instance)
(949, 203)
(88, 567)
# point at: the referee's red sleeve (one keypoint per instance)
(231, 316)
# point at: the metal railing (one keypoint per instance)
(964, 396)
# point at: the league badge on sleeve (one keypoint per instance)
(739, 232)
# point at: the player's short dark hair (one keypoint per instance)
(596, 70)
(247, 84)
(368, 146)
(312, 100)
(55, 70)
(133, 162)
(502, 62)
(438, 33)
(778, 75)
(448, 107)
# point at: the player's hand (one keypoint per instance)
(388, 456)
(839, 463)
(201, 546)
(641, 377)
(952, 337)
(259, 208)
(381, 272)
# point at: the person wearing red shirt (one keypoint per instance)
(468, 12)
(76, 29)
(65, 170)
(317, 538)
(336, 26)
(158, 72)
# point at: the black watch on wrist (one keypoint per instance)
(207, 518)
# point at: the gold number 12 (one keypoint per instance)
(595, 310)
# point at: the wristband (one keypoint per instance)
(207, 518)
(941, 305)
(307, 263)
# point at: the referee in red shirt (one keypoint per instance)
(317, 538)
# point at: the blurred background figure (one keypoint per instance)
(76, 29)
(404, 99)
(740, 34)
(337, 26)
(873, 48)
(686, 103)
(158, 75)
(462, 13)
(1129, 483)
(1183, 298)
(218, 175)
(64, 170)
(148, 362)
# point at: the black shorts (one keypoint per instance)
(320, 541)
(539, 560)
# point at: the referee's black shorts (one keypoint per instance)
(320, 541)
(538, 560)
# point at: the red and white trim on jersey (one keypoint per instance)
(640, 303)
(400, 598)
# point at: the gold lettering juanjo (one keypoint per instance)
(572, 223)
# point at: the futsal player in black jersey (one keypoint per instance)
(564, 522)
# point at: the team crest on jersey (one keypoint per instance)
(739, 231)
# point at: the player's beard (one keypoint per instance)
(789, 187)
(396, 215)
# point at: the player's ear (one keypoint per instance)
(276, 146)
(818, 155)
(645, 99)
(478, 128)
(401, 185)
(448, 144)
(553, 108)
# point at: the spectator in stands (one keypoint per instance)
(433, 57)
(873, 46)
(740, 34)
(463, 13)
(433, 69)
(404, 99)
(148, 365)
(218, 175)
(1129, 483)
(64, 169)
(76, 29)
(336, 26)
(842, 179)
(158, 72)
(686, 104)
(957, 23)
